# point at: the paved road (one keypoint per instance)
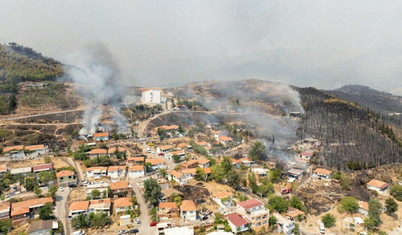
(61, 209)
(144, 217)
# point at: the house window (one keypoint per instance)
(264, 222)
(258, 218)
(259, 223)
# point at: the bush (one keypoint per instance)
(348, 204)
(391, 205)
(279, 204)
(396, 192)
(328, 220)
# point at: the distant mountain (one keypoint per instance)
(397, 91)
(379, 101)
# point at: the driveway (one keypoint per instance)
(144, 217)
(61, 210)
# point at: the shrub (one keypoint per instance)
(328, 220)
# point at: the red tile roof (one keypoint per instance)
(122, 202)
(250, 203)
(79, 206)
(236, 219)
(164, 205)
(42, 167)
(101, 134)
(98, 151)
(377, 184)
(64, 173)
(16, 147)
(136, 168)
(119, 185)
(188, 205)
(34, 147)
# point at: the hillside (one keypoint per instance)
(379, 101)
(28, 81)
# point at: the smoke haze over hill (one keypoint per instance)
(325, 44)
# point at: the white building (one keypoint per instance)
(377, 185)
(151, 96)
(237, 222)
(284, 225)
(96, 172)
(188, 210)
(36, 150)
(14, 151)
(116, 172)
(136, 171)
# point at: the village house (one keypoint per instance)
(170, 155)
(294, 213)
(260, 173)
(295, 173)
(236, 163)
(183, 146)
(16, 151)
(180, 177)
(151, 96)
(3, 169)
(202, 144)
(164, 149)
(237, 222)
(97, 153)
(136, 171)
(122, 204)
(102, 205)
(121, 188)
(36, 150)
(188, 210)
(306, 155)
(66, 177)
(116, 172)
(135, 160)
(169, 129)
(377, 185)
(21, 171)
(217, 134)
(225, 140)
(168, 210)
(119, 150)
(255, 212)
(223, 199)
(203, 163)
(21, 212)
(101, 136)
(43, 167)
(247, 162)
(96, 171)
(322, 173)
(4, 210)
(43, 227)
(363, 208)
(190, 164)
(79, 207)
(169, 193)
(285, 225)
(156, 164)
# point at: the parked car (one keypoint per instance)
(61, 189)
(138, 221)
(122, 232)
(153, 223)
(78, 233)
(133, 231)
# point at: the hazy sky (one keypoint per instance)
(156, 43)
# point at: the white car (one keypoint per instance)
(61, 189)
(78, 233)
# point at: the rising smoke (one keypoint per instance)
(99, 82)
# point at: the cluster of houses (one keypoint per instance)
(21, 151)
(22, 212)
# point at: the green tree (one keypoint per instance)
(391, 205)
(99, 220)
(176, 158)
(163, 172)
(37, 190)
(296, 203)
(396, 192)
(349, 204)
(200, 173)
(252, 182)
(95, 193)
(46, 176)
(177, 200)
(279, 204)
(52, 191)
(152, 191)
(148, 166)
(272, 220)
(80, 221)
(5, 225)
(275, 175)
(375, 208)
(328, 220)
(258, 151)
(46, 212)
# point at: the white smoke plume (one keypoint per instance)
(99, 82)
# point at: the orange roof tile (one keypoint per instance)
(119, 185)
(203, 161)
(175, 174)
(100, 201)
(5, 206)
(101, 134)
(364, 205)
(79, 206)
(154, 161)
(322, 171)
(182, 145)
(207, 170)
(116, 168)
(122, 202)
(98, 151)
(225, 138)
(136, 159)
(377, 183)
(191, 171)
(64, 173)
(101, 168)
(136, 168)
(34, 147)
(165, 147)
(189, 163)
(188, 205)
(3, 168)
(119, 149)
(10, 148)
(167, 205)
(19, 210)
(33, 202)
(293, 212)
